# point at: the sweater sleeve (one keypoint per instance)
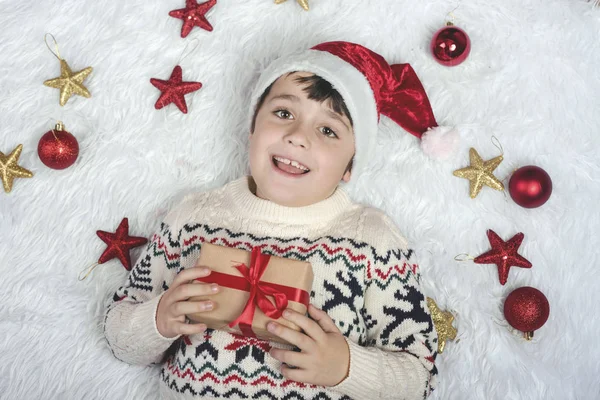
(398, 359)
(130, 318)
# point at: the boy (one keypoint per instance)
(368, 333)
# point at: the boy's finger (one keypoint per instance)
(189, 290)
(296, 375)
(298, 360)
(189, 274)
(189, 329)
(309, 326)
(298, 339)
(323, 319)
(193, 307)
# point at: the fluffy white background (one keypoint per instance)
(532, 80)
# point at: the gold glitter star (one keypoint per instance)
(303, 3)
(442, 320)
(9, 169)
(479, 173)
(69, 83)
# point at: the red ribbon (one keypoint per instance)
(250, 282)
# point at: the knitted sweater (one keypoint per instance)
(365, 277)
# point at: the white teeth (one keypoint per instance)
(292, 163)
(283, 160)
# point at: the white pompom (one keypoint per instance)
(439, 142)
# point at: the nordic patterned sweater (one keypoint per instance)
(366, 278)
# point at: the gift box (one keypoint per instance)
(255, 289)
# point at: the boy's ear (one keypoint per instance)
(347, 175)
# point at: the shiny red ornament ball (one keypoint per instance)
(58, 149)
(526, 309)
(530, 186)
(450, 45)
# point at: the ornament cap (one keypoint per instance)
(449, 23)
(528, 335)
(59, 126)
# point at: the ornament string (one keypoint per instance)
(498, 145)
(88, 271)
(451, 14)
(506, 182)
(516, 333)
(462, 257)
(53, 130)
(57, 53)
(59, 126)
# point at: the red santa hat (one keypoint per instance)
(370, 88)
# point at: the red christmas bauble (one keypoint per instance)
(526, 309)
(450, 45)
(58, 149)
(530, 186)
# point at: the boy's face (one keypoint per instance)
(300, 148)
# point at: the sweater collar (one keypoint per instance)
(253, 207)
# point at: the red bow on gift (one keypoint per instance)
(258, 292)
(250, 282)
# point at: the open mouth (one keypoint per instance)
(289, 166)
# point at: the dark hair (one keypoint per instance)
(318, 89)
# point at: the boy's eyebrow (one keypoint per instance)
(289, 97)
(338, 117)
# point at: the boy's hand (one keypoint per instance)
(325, 355)
(174, 304)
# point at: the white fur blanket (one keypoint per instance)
(532, 80)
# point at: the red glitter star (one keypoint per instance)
(503, 254)
(193, 15)
(119, 244)
(174, 90)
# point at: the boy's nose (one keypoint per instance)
(298, 137)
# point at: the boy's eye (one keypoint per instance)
(283, 114)
(328, 132)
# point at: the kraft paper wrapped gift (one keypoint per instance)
(255, 289)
